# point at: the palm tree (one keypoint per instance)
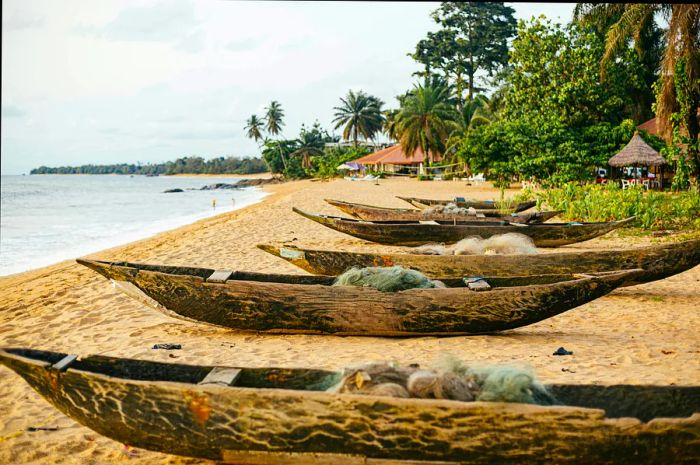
(273, 118)
(389, 126)
(477, 111)
(254, 127)
(632, 20)
(308, 147)
(361, 114)
(426, 120)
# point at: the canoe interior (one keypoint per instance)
(464, 222)
(642, 402)
(144, 370)
(204, 273)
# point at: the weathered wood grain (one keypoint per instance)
(480, 204)
(657, 261)
(159, 407)
(372, 213)
(308, 304)
(414, 234)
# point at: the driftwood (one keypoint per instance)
(372, 213)
(274, 415)
(657, 261)
(480, 204)
(309, 304)
(414, 233)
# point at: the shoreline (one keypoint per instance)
(636, 335)
(264, 175)
(182, 228)
(150, 232)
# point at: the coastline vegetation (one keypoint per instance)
(516, 100)
(654, 211)
(184, 165)
(529, 100)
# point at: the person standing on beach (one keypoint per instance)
(213, 204)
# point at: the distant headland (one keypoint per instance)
(185, 165)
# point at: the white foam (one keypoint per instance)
(34, 236)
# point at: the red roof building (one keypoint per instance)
(649, 126)
(391, 158)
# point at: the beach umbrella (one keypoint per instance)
(350, 165)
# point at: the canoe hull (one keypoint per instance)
(415, 234)
(372, 213)
(658, 262)
(479, 204)
(264, 426)
(276, 307)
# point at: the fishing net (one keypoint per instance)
(385, 279)
(454, 381)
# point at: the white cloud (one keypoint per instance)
(113, 81)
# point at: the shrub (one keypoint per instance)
(653, 210)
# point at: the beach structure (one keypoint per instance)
(281, 415)
(415, 233)
(393, 160)
(276, 303)
(638, 153)
(657, 261)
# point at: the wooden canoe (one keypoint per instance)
(263, 416)
(657, 261)
(279, 303)
(372, 213)
(479, 204)
(414, 233)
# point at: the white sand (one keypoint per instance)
(641, 335)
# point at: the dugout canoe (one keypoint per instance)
(467, 203)
(414, 233)
(278, 303)
(656, 261)
(372, 213)
(261, 416)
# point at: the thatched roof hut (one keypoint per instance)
(637, 153)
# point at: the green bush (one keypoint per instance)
(325, 166)
(425, 177)
(653, 210)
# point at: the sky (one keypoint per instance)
(125, 81)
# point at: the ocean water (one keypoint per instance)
(49, 218)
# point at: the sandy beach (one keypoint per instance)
(645, 334)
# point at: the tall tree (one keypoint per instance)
(475, 112)
(473, 38)
(274, 123)
(254, 127)
(643, 56)
(311, 143)
(426, 120)
(681, 54)
(558, 120)
(361, 114)
(390, 123)
(273, 118)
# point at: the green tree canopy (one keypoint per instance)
(273, 117)
(426, 120)
(311, 143)
(558, 120)
(254, 127)
(643, 55)
(473, 37)
(360, 114)
(678, 97)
